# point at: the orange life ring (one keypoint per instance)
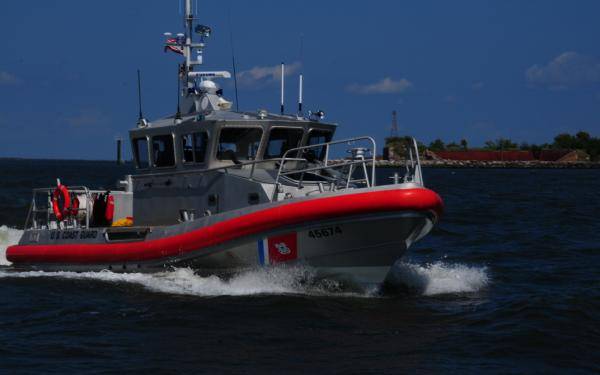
(61, 213)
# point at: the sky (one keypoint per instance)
(479, 70)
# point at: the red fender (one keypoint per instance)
(74, 206)
(110, 208)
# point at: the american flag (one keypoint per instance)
(177, 49)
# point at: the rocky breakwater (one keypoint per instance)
(493, 164)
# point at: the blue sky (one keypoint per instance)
(452, 69)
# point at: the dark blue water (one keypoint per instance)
(509, 282)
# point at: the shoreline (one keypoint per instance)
(494, 164)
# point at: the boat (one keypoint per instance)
(222, 190)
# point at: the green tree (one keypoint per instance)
(490, 145)
(505, 144)
(524, 146)
(452, 146)
(464, 144)
(583, 137)
(500, 144)
(564, 141)
(437, 145)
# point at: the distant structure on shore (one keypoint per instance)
(566, 148)
(508, 155)
(394, 145)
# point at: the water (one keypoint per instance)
(508, 282)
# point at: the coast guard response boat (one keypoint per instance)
(220, 190)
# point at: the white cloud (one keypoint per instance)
(260, 76)
(8, 79)
(385, 86)
(569, 69)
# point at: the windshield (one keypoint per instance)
(316, 137)
(237, 144)
(281, 140)
(163, 154)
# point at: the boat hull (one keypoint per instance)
(352, 234)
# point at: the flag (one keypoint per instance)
(177, 49)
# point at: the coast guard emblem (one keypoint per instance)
(278, 249)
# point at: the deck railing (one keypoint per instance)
(34, 210)
(339, 173)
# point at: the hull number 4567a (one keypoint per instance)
(325, 232)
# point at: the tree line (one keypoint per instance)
(564, 141)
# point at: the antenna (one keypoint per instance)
(237, 100)
(141, 117)
(178, 114)
(282, 86)
(142, 123)
(394, 131)
(300, 96)
(301, 78)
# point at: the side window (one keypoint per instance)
(163, 154)
(140, 150)
(237, 144)
(188, 148)
(281, 140)
(200, 144)
(316, 137)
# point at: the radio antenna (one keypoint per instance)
(301, 78)
(237, 100)
(139, 96)
(282, 86)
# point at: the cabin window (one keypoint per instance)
(140, 150)
(187, 146)
(281, 140)
(237, 144)
(194, 147)
(316, 137)
(163, 154)
(200, 144)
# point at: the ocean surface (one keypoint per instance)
(509, 282)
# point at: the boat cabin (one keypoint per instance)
(224, 139)
(202, 165)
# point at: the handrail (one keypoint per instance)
(33, 210)
(326, 165)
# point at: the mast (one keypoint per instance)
(189, 20)
(194, 84)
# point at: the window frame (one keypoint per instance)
(136, 156)
(275, 127)
(206, 147)
(331, 132)
(174, 151)
(259, 151)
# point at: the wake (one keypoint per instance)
(428, 280)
